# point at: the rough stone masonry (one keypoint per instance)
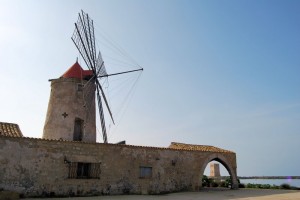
(37, 167)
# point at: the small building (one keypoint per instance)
(34, 167)
(67, 160)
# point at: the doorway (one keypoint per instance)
(78, 129)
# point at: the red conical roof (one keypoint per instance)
(76, 71)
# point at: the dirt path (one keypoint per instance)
(215, 194)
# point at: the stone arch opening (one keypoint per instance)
(230, 167)
(216, 169)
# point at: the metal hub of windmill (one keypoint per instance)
(84, 40)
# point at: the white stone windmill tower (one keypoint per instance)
(71, 111)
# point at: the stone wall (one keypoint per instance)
(35, 167)
(67, 103)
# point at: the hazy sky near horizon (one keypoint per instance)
(221, 73)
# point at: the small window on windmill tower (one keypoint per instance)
(79, 87)
(78, 129)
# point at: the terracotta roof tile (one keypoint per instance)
(9, 129)
(76, 71)
(193, 147)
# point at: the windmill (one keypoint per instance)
(84, 40)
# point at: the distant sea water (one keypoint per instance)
(291, 182)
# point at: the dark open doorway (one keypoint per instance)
(78, 129)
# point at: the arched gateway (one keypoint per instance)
(210, 153)
(227, 164)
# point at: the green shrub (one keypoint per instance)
(257, 185)
(275, 187)
(266, 186)
(214, 184)
(205, 181)
(295, 188)
(228, 182)
(285, 186)
(223, 184)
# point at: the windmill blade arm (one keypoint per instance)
(81, 53)
(105, 100)
(107, 75)
(101, 114)
(84, 40)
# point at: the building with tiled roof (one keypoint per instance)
(193, 147)
(84, 168)
(10, 129)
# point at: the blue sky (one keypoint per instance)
(221, 73)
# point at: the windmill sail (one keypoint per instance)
(101, 71)
(84, 39)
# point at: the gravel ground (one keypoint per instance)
(211, 194)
